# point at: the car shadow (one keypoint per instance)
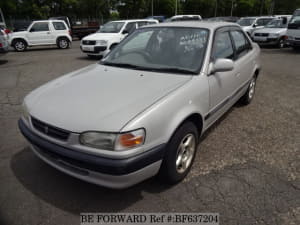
(2, 62)
(71, 194)
(87, 58)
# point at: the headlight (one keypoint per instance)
(113, 141)
(25, 112)
(101, 42)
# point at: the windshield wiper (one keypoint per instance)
(124, 65)
(176, 70)
(164, 69)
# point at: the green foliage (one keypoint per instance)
(100, 9)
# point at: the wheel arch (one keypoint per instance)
(62, 36)
(18, 38)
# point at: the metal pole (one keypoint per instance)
(152, 8)
(216, 8)
(231, 7)
(176, 7)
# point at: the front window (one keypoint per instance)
(39, 27)
(276, 24)
(111, 27)
(296, 17)
(245, 22)
(162, 49)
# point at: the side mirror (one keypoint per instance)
(125, 32)
(31, 30)
(221, 65)
(255, 25)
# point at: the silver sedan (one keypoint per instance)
(140, 111)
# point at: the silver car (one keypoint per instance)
(3, 42)
(141, 110)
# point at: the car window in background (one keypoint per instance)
(260, 22)
(169, 49)
(245, 22)
(241, 43)
(41, 26)
(59, 26)
(111, 27)
(130, 27)
(296, 17)
(276, 24)
(222, 47)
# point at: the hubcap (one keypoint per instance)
(20, 46)
(252, 88)
(185, 153)
(63, 43)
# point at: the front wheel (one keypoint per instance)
(180, 154)
(63, 43)
(281, 43)
(19, 45)
(248, 96)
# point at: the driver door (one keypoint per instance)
(221, 84)
(39, 33)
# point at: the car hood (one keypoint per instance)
(100, 97)
(271, 30)
(101, 36)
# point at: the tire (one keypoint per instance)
(63, 43)
(281, 43)
(19, 45)
(180, 154)
(249, 95)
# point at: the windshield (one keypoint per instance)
(164, 49)
(111, 27)
(276, 24)
(296, 17)
(245, 22)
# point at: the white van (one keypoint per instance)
(109, 35)
(293, 31)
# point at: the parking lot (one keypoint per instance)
(247, 165)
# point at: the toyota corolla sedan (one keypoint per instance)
(140, 111)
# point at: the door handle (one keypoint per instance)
(238, 74)
(48, 32)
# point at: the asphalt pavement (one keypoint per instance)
(247, 166)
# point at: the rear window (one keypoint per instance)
(59, 26)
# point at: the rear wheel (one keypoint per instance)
(19, 45)
(180, 154)
(63, 43)
(249, 95)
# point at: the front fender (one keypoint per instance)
(163, 118)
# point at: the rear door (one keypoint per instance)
(244, 60)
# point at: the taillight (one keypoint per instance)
(285, 37)
(70, 32)
(7, 31)
(1, 45)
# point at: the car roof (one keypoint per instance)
(211, 25)
(48, 21)
(135, 20)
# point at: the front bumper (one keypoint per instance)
(267, 41)
(113, 173)
(93, 50)
(295, 43)
(4, 50)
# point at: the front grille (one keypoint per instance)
(87, 42)
(261, 34)
(49, 130)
